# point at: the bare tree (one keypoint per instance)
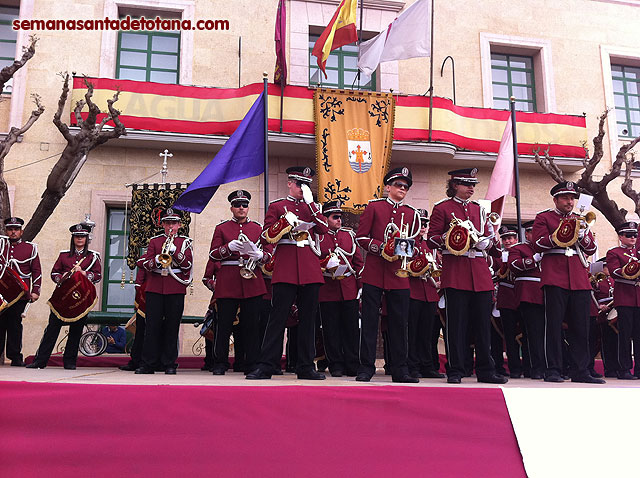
(598, 189)
(91, 135)
(5, 147)
(27, 53)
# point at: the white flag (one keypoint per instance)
(408, 36)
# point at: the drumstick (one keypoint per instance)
(24, 312)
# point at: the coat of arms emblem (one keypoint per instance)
(359, 150)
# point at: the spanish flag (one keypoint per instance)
(340, 31)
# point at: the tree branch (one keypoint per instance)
(57, 117)
(627, 184)
(27, 53)
(548, 165)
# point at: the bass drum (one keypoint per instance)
(74, 298)
(12, 288)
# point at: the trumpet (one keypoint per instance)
(587, 220)
(597, 278)
(494, 218)
(404, 234)
(474, 234)
(433, 270)
(164, 258)
(247, 266)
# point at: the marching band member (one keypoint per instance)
(603, 291)
(507, 303)
(169, 262)
(382, 221)
(563, 239)
(77, 260)
(22, 258)
(239, 282)
(422, 306)
(338, 295)
(140, 308)
(461, 229)
(524, 263)
(624, 263)
(297, 275)
(209, 280)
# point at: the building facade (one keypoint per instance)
(564, 57)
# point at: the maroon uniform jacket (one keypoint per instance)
(370, 236)
(626, 292)
(506, 296)
(423, 289)
(558, 268)
(210, 272)
(22, 257)
(526, 272)
(335, 290)
(229, 283)
(180, 270)
(89, 263)
(294, 264)
(470, 271)
(604, 291)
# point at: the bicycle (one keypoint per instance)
(92, 342)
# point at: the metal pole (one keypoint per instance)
(266, 142)
(515, 166)
(359, 39)
(239, 61)
(431, 76)
(453, 69)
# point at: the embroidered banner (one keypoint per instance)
(219, 111)
(148, 201)
(354, 134)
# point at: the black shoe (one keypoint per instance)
(515, 375)
(290, 370)
(277, 371)
(405, 379)
(218, 371)
(595, 374)
(17, 363)
(611, 374)
(337, 373)
(130, 367)
(170, 371)
(415, 374)
(626, 376)
(35, 365)
(70, 366)
(536, 376)
(587, 379)
(311, 375)
(554, 378)
(431, 374)
(144, 371)
(566, 377)
(206, 368)
(258, 374)
(454, 379)
(495, 378)
(363, 377)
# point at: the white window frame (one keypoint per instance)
(546, 104)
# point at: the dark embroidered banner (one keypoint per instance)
(148, 201)
(354, 134)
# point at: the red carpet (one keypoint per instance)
(107, 430)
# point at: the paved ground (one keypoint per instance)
(101, 375)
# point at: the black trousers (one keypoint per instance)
(283, 297)
(248, 329)
(420, 327)
(572, 306)
(468, 311)
(628, 330)
(510, 319)
(609, 350)
(594, 335)
(11, 328)
(435, 339)
(164, 313)
(138, 341)
(397, 301)
(51, 336)
(533, 318)
(497, 346)
(340, 333)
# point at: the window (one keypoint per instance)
(626, 94)
(513, 75)
(114, 298)
(8, 39)
(342, 69)
(149, 56)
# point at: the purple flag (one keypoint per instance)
(280, 75)
(241, 157)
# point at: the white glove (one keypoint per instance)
(235, 245)
(307, 195)
(333, 262)
(256, 254)
(157, 258)
(581, 233)
(172, 249)
(483, 244)
(505, 256)
(537, 257)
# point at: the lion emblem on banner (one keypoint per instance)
(359, 150)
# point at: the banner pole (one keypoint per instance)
(431, 76)
(266, 141)
(516, 168)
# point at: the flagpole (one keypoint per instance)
(431, 76)
(266, 141)
(516, 168)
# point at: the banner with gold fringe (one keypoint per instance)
(148, 202)
(354, 135)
